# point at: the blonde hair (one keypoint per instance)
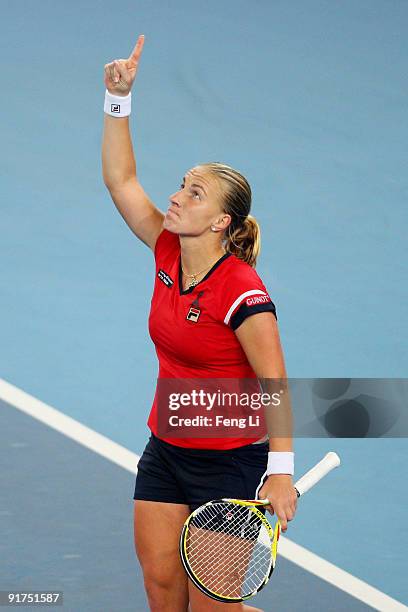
(243, 236)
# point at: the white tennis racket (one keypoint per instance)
(227, 546)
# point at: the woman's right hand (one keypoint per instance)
(120, 74)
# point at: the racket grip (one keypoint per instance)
(316, 473)
(321, 469)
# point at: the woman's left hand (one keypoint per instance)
(279, 490)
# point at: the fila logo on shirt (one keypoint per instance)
(115, 108)
(165, 278)
(195, 311)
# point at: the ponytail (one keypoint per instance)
(244, 241)
(241, 238)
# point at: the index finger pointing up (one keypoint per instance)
(135, 55)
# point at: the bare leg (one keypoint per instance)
(201, 603)
(158, 552)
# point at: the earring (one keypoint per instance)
(213, 228)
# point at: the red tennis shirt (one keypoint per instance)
(193, 330)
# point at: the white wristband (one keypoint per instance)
(117, 106)
(280, 463)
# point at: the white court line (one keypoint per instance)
(126, 459)
(69, 427)
(338, 577)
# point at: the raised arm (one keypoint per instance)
(118, 160)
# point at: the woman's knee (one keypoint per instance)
(158, 554)
(166, 590)
(163, 577)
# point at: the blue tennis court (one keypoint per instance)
(308, 100)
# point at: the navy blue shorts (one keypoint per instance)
(176, 475)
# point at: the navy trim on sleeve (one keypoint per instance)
(245, 311)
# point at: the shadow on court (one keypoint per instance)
(66, 517)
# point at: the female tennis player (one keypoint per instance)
(211, 317)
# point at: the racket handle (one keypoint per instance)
(308, 480)
(316, 473)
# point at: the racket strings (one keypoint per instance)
(242, 571)
(199, 545)
(227, 550)
(235, 528)
(233, 522)
(237, 574)
(236, 569)
(209, 570)
(217, 523)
